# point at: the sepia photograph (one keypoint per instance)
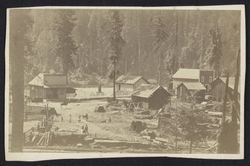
(91, 82)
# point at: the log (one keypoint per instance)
(161, 139)
(40, 140)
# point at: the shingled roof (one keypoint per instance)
(129, 79)
(187, 74)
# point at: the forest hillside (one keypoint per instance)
(152, 43)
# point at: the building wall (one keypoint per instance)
(159, 99)
(156, 101)
(206, 78)
(36, 92)
(124, 87)
(183, 93)
(55, 93)
(130, 87)
(62, 93)
(139, 83)
(178, 81)
(218, 91)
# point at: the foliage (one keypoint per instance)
(149, 43)
(66, 48)
(160, 36)
(215, 50)
(192, 126)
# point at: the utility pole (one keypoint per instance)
(114, 59)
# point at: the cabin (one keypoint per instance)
(203, 76)
(49, 86)
(191, 91)
(153, 97)
(129, 82)
(218, 88)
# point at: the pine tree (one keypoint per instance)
(66, 48)
(216, 50)
(116, 42)
(160, 36)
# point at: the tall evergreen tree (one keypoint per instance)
(66, 48)
(160, 37)
(216, 49)
(116, 42)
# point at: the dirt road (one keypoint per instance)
(118, 128)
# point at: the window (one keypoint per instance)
(202, 78)
(210, 79)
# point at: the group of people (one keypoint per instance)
(80, 118)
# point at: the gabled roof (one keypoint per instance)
(187, 74)
(231, 82)
(128, 79)
(193, 85)
(149, 91)
(40, 81)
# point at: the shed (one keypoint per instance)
(192, 90)
(129, 82)
(185, 75)
(49, 86)
(153, 97)
(203, 76)
(218, 88)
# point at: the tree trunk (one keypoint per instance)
(225, 100)
(234, 138)
(17, 89)
(114, 78)
(139, 45)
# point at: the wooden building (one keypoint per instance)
(48, 86)
(153, 97)
(184, 75)
(189, 92)
(218, 88)
(129, 83)
(206, 78)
